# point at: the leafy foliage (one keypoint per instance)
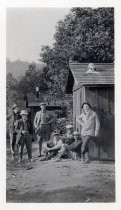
(85, 35)
(33, 78)
(11, 88)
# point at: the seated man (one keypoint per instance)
(73, 150)
(75, 147)
(52, 147)
(68, 138)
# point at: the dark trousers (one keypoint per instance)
(13, 141)
(85, 144)
(25, 140)
(13, 144)
(76, 147)
(43, 133)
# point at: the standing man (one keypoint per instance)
(89, 128)
(24, 131)
(43, 125)
(16, 116)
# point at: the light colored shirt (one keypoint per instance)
(44, 118)
(89, 123)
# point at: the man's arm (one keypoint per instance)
(17, 128)
(58, 146)
(31, 127)
(79, 119)
(35, 121)
(97, 125)
(11, 124)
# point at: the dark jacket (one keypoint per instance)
(13, 120)
(20, 127)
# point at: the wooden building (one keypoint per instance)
(55, 105)
(94, 83)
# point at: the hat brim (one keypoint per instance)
(56, 134)
(69, 127)
(42, 104)
(15, 107)
(24, 113)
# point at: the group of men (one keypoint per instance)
(72, 144)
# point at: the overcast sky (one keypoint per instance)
(29, 28)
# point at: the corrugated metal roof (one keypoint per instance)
(104, 73)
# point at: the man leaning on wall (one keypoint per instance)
(90, 126)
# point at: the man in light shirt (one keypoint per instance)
(90, 125)
(43, 125)
(52, 147)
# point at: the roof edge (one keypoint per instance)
(77, 63)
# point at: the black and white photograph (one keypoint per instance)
(60, 105)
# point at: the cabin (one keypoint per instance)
(54, 105)
(94, 83)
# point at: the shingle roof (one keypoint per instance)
(104, 73)
(32, 101)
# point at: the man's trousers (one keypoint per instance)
(25, 139)
(43, 133)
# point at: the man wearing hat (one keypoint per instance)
(43, 125)
(13, 120)
(71, 148)
(52, 147)
(68, 137)
(24, 131)
(75, 147)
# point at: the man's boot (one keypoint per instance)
(87, 160)
(82, 158)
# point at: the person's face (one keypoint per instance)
(86, 108)
(43, 107)
(76, 137)
(16, 109)
(56, 137)
(24, 117)
(70, 130)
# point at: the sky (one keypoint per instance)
(27, 29)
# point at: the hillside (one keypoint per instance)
(18, 67)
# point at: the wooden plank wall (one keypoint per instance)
(102, 101)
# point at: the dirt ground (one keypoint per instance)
(65, 181)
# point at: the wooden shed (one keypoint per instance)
(95, 83)
(54, 105)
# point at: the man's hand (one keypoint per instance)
(23, 132)
(48, 149)
(96, 134)
(12, 152)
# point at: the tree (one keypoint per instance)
(11, 90)
(33, 78)
(85, 35)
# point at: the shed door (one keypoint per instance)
(102, 101)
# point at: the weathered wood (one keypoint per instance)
(98, 89)
(102, 101)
